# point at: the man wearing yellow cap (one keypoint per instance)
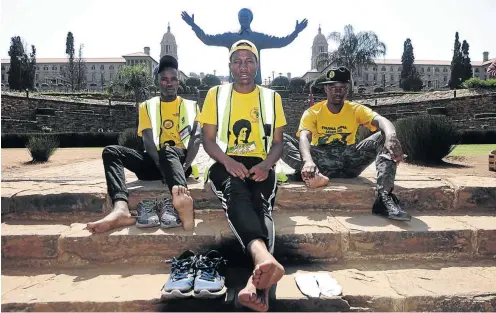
(243, 134)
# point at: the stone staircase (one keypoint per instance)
(443, 260)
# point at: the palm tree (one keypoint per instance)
(354, 50)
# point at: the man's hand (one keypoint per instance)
(308, 170)
(301, 26)
(393, 146)
(259, 172)
(190, 20)
(236, 169)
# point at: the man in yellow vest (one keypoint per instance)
(242, 132)
(171, 138)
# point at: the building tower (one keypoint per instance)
(319, 47)
(168, 44)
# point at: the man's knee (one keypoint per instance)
(237, 190)
(110, 152)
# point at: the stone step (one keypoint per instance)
(425, 286)
(72, 202)
(312, 237)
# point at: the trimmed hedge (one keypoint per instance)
(475, 82)
(427, 139)
(66, 140)
(478, 137)
(129, 138)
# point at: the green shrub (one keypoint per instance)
(483, 136)
(281, 81)
(479, 83)
(316, 87)
(193, 82)
(66, 140)
(211, 80)
(427, 139)
(129, 138)
(297, 84)
(41, 147)
(378, 89)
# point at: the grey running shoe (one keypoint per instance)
(208, 282)
(168, 215)
(182, 277)
(147, 215)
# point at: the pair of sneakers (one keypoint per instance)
(196, 276)
(158, 212)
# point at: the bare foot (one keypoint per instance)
(183, 203)
(249, 297)
(119, 217)
(317, 181)
(267, 273)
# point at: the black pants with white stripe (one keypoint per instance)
(248, 204)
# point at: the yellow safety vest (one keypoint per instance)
(224, 106)
(187, 115)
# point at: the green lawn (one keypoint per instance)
(468, 150)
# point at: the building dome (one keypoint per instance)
(168, 44)
(168, 37)
(320, 39)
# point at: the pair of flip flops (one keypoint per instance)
(314, 284)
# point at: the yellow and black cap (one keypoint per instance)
(243, 45)
(337, 75)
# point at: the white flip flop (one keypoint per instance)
(307, 284)
(328, 286)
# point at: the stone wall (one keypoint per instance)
(467, 112)
(20, 115)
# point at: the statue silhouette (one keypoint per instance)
(262, 41)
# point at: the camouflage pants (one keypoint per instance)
(339, 161)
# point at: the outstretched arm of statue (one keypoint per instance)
(222, 40)
(270, 42)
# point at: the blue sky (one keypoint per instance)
(109, 28)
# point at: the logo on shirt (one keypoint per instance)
(254, 114)
(168, 124)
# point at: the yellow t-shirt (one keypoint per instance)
(327, 127)
(170, 123)
(244, 138)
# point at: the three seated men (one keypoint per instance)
(243, 134)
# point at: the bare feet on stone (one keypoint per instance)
(182, 201)
(119, 217)
(267, 273)
(318, 180)
(249, 297)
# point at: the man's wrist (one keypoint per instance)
(307, 159)
(390, 135)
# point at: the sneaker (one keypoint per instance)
(182, 277)
(387, 204)
(168, 215)
(147, 215)
(208, 282)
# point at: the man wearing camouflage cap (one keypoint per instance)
(327, 147)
